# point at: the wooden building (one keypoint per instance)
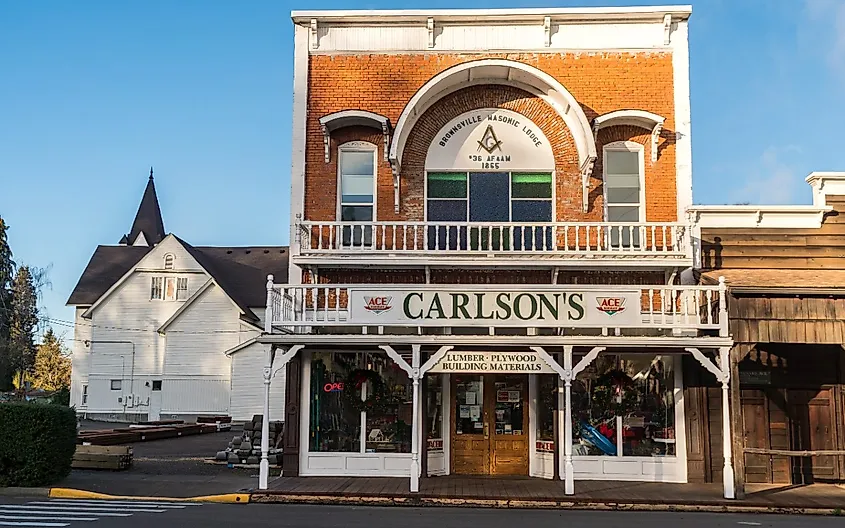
(785, 270)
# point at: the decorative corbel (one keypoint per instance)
(667, 29)
(395, 168)
(586, 172)
(429, 24)
(595, 130)
(547, 30)
(314, 42)
(385, 130)
(655, 136)
(327, 142)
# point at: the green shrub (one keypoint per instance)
(61, 397)
(36, 443)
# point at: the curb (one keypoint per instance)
(16, 491)
(69, 493)
(267, 498)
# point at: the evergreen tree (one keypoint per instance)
(52, 364)
(23, 323)
(7, 267)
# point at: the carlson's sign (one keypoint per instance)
(514, 308)
(490, 139)
(503, 362)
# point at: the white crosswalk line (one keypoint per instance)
(110, 505)
(63, 507)
(126, 502)
(44, 518)
(31, 523)
(64, 513)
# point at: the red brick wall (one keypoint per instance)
(384, 83)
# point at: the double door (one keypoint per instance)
(489, 424)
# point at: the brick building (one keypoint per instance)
(491, 266)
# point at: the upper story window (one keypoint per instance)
(357, 168)
(168, 261)
(623, 191)
(168, 288)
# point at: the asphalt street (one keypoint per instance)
(125, 514)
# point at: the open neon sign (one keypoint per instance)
(333, 387)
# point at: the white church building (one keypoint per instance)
(165, 330)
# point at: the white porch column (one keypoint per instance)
(568, 469)
(727, 438)
(264, 466)
(416, 421)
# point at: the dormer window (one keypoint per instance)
(168, 261)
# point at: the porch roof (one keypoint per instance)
(779, 280)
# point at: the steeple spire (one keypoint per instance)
(148, 227)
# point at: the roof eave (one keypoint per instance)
(565, 14)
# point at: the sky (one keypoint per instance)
(94, 92)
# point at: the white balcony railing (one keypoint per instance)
(513, 239)
(303, 308)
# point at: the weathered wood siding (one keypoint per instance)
(754, 248)
(787, 319)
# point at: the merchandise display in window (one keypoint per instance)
(334, 426)
(547, 391)
(624, 405)
(434, 413)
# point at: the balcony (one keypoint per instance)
(538, 244)
(400, 308)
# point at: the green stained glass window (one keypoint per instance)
(447, 185)
(531, 185)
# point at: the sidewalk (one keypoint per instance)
(539, 493)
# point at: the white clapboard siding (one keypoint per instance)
(79, 358)
(247, 397)
(195, 395)
(199, 337)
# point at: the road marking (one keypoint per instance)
(748, 523)
(108, 502)
(83, 509)
(81, 503)
(63, 513)
(27, 523)
(43, 518)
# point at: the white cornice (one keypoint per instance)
(483, 16)
(763, 216)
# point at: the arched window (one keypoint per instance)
(168, 261)
(624, 170)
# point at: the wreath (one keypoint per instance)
(615, 393)
(378, 400)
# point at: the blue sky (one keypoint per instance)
(94, 92)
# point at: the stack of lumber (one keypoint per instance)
(223, 423)
(102, 457)
(246, 449)
(142, 433)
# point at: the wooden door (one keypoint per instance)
(490, 424)
(470, 444)
(509, 439)
(813, 429)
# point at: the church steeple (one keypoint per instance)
(148, 227)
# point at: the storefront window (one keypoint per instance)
(434, 413)
(389, 418)
(546, 408)
(624, 405)
(334, 425)
(469, 399)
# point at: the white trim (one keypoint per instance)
(638, 118)
(652, 13)
(763, 216)
(682, 118)
(238, 348)
(825, 184)
(496, 71)
(625, 146)
(337, 120)
(298, 136)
